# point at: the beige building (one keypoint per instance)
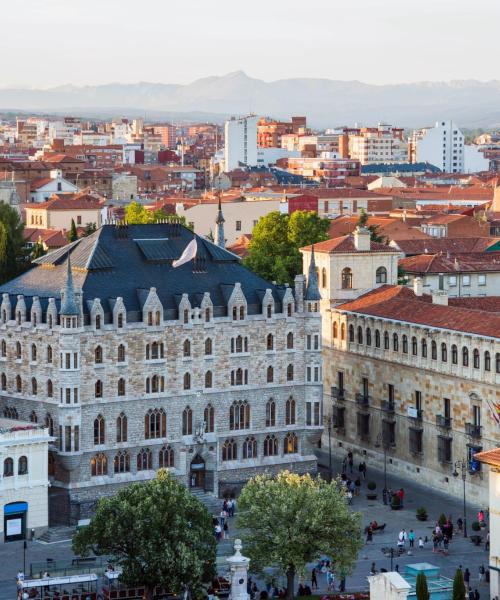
(124, 187)
(59, 211)
(381, 144)
(24, 482)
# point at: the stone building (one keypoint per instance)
(410, 379)
(205, 369)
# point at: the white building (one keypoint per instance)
(24, 451)
(240, 142)
(269, 156)
(474, 160)
(381, 144)
(64, 130)
(442, 146)
(42, 189)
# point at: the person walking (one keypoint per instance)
(420, 543)
(362, 469)
(467, 579)
(350, 461)
(411, 538)
(314, 579)
(369, 534)
(373, 569)
(482, 572)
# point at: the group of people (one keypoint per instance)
(221, 524)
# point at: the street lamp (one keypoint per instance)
(462, 465)
(329, 422)
(381, 442)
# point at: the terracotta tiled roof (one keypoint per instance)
(484, 303)
(454, 245)
(400, 303)
(489, 457)
(53, 238)
(39, 183)
(240, 246)
(392, 228)
(346, 193)
(345, 244)
(74, 202)
(457, 263)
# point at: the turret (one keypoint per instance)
(219, 230)
(69, 309)
(312, 296)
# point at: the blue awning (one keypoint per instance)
(15, 507)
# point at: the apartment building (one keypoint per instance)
(240, 142)
(441, 146)
(381, 144)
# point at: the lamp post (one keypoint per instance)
(462, 466)
(329, 425)
(381, 442)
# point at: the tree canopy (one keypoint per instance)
(292, 520)
(72, 233)
(375, 235)
(157, 532)
(13, 254)
(273, 252)
(137, 214)
(421, 589)
(458, 586)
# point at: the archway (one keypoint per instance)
(197, 472)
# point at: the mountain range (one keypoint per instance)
(326, 102)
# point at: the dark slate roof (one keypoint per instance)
(127, 261)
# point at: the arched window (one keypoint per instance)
(99, 431)
(208, 347)
(33, 352)
(144, 460)
(150, 318)
(120, 320)
(475, 358)
(381, 275)
(444, 352)
(122, 462)
(208, 379)
(454, 355)
(229, 450)
(377, 338)
(49, 354)
(166, 457)
(155, 424)
(121, 353)
(269, 341)
(434, 351)
(405, 344)
(487, 361)
(3, 382)
(342, 331)
(239, 344)
(121, 428)
(8, 467)
(187, 421)
(186, 348)
(424, 348)
(235, 313)
(335, 331)
(465, 356)
(34, 386)
(3, 346)
(33, 417)
(414, 346)
(270, 445)
(209, 418)
(346, 279)
(207, 315)
(289, 340)
(250, 448)
(386, 340)
(186, 316)
(271, 413)
(368, 336)
(18, 351)
(98, 321)
(269, 310)
(98, 389)
(360, 334)
(121, 387)
(290, 411)
(187, 381)
(497, 362)
(157, 317)
(242, 313)
(289, 373)
(323, 277)
(239, 415)
(290, 443)
(351, 333)
(270, 374)
(395, 342)
(49, 423)
(148, 352)
(99, 465)
(19, 384)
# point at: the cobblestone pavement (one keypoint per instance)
(462, 551)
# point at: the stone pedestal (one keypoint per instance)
(388, 586)
(238, 565)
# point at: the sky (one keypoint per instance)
(44, 43)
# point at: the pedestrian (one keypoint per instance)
(342, 584)
(460, 523)
(362, 469)
(222, 516)
(401, 495)
(446, 544)
(330, 580)
(218, 532)
(480, 517)
(470, 595)
(402, 538)
(357, 484)
(411, 538)
(467, 578)
(476, 595)
(373, 569)
(482, 572)
(225, 528)
(369, 534)
(344, 466)
(420, 543)
(487, 542)
(314, 579)
(350, 460)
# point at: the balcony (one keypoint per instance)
(472, 430)
(338, 394)
(415, 414)
(388, 407)
(443, 422)
(362, 399)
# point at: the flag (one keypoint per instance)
(188, 254)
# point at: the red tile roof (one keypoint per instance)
(399, 303)
(484, 303)
(489, 457)
(70, 202)
(391, 227)
(345, 244)
(39, 183)
(454, 245)
(457, 263)
(53, 238)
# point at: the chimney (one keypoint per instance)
(418, 286)
(440, 297)
(362, 239)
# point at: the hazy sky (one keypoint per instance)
(52, 42)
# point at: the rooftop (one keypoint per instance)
(345, 245)
(451, 263)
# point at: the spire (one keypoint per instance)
(219, 231)
(68, 302)
(312, 291)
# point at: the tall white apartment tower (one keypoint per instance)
(240, 142)
(442, 146)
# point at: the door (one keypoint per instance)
(197, 472)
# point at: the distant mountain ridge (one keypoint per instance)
(326, 102)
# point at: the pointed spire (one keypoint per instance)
(68, 303)
(312, 291)
(219, 231)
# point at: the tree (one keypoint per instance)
(38, 250)
(421, 589)
(157, 532)
(273, 252)
(137, 214)
(375, 236)
(292, 520)
(13, 254)
(89, 228)
(458, 586)
(73, 233)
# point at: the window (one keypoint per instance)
(144, 460)
(187, 381)
(49, 423)
(22, 465)
(368, 336)
(270, 445)
(377, 338)
(239, 415)
(186, 348)
(405, 344)
(290, 444)
(122, 462)
(424, 348)
(386, 340)
(335, 331)
(208, 379)
(454, 355)
(363, 425)
(209, 418)
(34, 386)
(381, 275)
(239, 377)
(289, 373)
(19, 384)
(121, 428)
(49, 354)
(186, 316)
(187, 421)
(166, 457)
(497, 362)
(270, 374)
(207, 315)
(8, 467)
(238, 225)
(270, 413)
(18, 351)
(475, 358)
(250, 448)
(155, 424)
(3, 382)
(465, 280)
(360, 334)
(229, 450)
(33, 352)
(98, 389)
(120, 320)
(444, 449)
(465, 356)
(444, 352)
(395, 342)
(290, 411)
(487, 361)
(208, 347)
(342, 331)
(121, 387)
(269, 311)
(121, 353)
(433, 350)
(98, 355)
(415, 440)
(99, 430)
(3, 346)
(98, 321)
(99, 465)
(452, 280)
(269, 341)
(323, 278)
(481, 279)
(289, 341)
(346, 279)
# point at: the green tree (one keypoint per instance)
(157, 532)
(292, 520)
(273, 252)
(421, 589)
(375, 236)
(37, 250)
(13, 253)
(89, 228)
(458, 586)
(73, 233)
(137, 214)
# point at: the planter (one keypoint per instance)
(421, 517)
(396, 506)
(371, 496)
(476, 539)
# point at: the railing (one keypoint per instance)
(473, 430)
(362, 399)
(387, 406)
(444, 422)
(415, 413)
(75, 566)
(337, 393)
